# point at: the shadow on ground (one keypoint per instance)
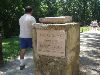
(90, 53)
(12, 68)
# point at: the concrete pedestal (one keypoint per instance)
(56, 49)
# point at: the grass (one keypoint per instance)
(10, 48)
(84, 29)
(87, 28)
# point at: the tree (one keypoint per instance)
(83, 11)
(1, 53)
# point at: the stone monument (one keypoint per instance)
(56, 49)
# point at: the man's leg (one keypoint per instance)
(22, 63)
(22, 53)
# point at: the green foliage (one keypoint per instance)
(83, 11)
(87, 28)
(10, 11)
(10, 48)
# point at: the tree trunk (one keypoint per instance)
(1, 54)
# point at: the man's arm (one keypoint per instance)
(33, 20)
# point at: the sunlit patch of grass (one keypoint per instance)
(84, 29)
(10, 48)
(87, 28)
(98, 28)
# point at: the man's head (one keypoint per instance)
(28, 9)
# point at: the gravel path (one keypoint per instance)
(90, 53)
(89, 57)
(12, 68)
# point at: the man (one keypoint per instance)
(26, 21)
(94, 25)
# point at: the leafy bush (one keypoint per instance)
(10, 48)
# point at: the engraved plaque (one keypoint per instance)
(51, 42)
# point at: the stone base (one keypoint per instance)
(55, 66)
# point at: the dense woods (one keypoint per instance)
(83, 11)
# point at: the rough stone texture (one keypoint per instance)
(61, 19)
(68, 19)
(52, 65)
(51, 42)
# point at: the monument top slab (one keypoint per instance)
(53, 26)
(60, 19)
